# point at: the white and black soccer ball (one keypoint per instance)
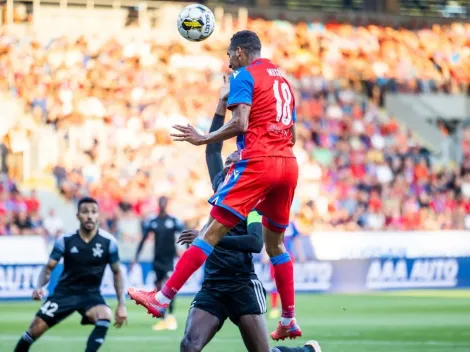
(196, 22)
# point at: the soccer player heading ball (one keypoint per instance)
(265, 178)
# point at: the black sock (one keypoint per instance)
(97, 336)
(24, 343)
(292, 349)
(171, 307)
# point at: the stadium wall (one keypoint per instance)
(425, 268)
(17, 281)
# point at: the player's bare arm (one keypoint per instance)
(43, 279)
(120, 315)
(238, 124)
(294, 138)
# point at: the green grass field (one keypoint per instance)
(427, 321)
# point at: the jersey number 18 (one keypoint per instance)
(284, 113)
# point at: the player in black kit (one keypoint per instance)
(86, 254)
(164, 227)
(231, 288)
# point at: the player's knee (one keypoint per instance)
(37, 328)
(104, 314)
(190, 344)
(101, 312)
(274, 248)
(274, 243)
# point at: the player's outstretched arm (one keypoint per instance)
(121, 313)
(43, 279)
(239, 97)
(252, 242)
(237, 125)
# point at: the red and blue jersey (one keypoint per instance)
(272, 115)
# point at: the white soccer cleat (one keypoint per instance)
(314, 344)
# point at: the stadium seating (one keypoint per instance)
(112, 104)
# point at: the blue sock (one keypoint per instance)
(206, 247)
(280, 259)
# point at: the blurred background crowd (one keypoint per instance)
(112, 103)
(20, 214)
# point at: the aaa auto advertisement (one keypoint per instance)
(17, 281)
(412, 263)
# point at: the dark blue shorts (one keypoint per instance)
(247, 299)
(58, 307)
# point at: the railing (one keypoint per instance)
(418, 8)
(149, 4)
(430, 8)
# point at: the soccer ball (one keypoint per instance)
(196, 22)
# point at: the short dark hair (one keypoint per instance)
(247, 40)
(86, 200)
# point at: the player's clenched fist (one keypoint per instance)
(38, 294)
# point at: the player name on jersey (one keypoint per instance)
(274, 72)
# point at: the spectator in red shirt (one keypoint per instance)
(395, 221)
(451, 202)
(421, 170)
(375, 203)
(32, 202)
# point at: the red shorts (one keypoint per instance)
(265, 184)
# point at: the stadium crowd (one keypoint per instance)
(20, 213)
(112, 103)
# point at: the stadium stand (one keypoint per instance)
(110, 104)
(19, 214)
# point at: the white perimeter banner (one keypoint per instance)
(412, 244)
